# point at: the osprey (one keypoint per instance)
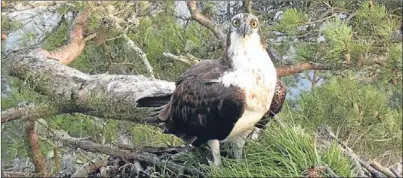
(222, 100)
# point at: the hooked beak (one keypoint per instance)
(244, 30)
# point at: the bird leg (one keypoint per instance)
(256, 133)
(238, 144)
(215, 150)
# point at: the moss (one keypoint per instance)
(56, 39)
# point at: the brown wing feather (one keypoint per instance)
(200, 108)
(276, 104)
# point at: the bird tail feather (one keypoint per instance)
(153, 101)
(159, 115)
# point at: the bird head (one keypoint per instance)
(243, 25)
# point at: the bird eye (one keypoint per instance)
(254, 23)
(235, 22)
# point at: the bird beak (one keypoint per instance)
(244, 30)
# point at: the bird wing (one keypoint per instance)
(201, 107)
(276, 104)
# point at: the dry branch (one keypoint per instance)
(248, 5)
(375, 169)
(206, 22)
(382, 169)
(148, 155)
(298, 68)
(106, 96)
(281, 71)
(27, 111)
(188, 59)
(90, 167)
(12, 173)
(33, 149)
(132, 45)
(69, 52)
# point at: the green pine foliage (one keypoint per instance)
(287, 151)
(339, 35)
(360, 113)
(290, 20)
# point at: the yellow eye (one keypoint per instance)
(253, 24)
(235, 22)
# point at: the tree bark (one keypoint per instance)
(28, 111)
(33, 149)
(298, 68)
(69, 52)
(106, 96)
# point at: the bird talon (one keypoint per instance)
(212, 163)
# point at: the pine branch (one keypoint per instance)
(69, 52)
(106, 96)
(209, 24)
(189, 59)
(28, 111)
(33, 149)
(132, 45)
(297, 68)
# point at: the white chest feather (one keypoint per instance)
(255, 73)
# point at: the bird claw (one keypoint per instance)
(255, 134)
(212, 164)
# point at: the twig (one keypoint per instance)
(350, 17)
(396, 165)
(319, 20)
(382, 169)
(12, 174)
(204, 21)
(330, 171)
(141, 54)
(187, 60)
(248, 4)
(114, 38)
(28, 111)
(90, 167)
(150, 158)
(395, 172)
(353, 156)
(132, 45)
(89, 37)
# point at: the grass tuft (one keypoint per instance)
(284, 152)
